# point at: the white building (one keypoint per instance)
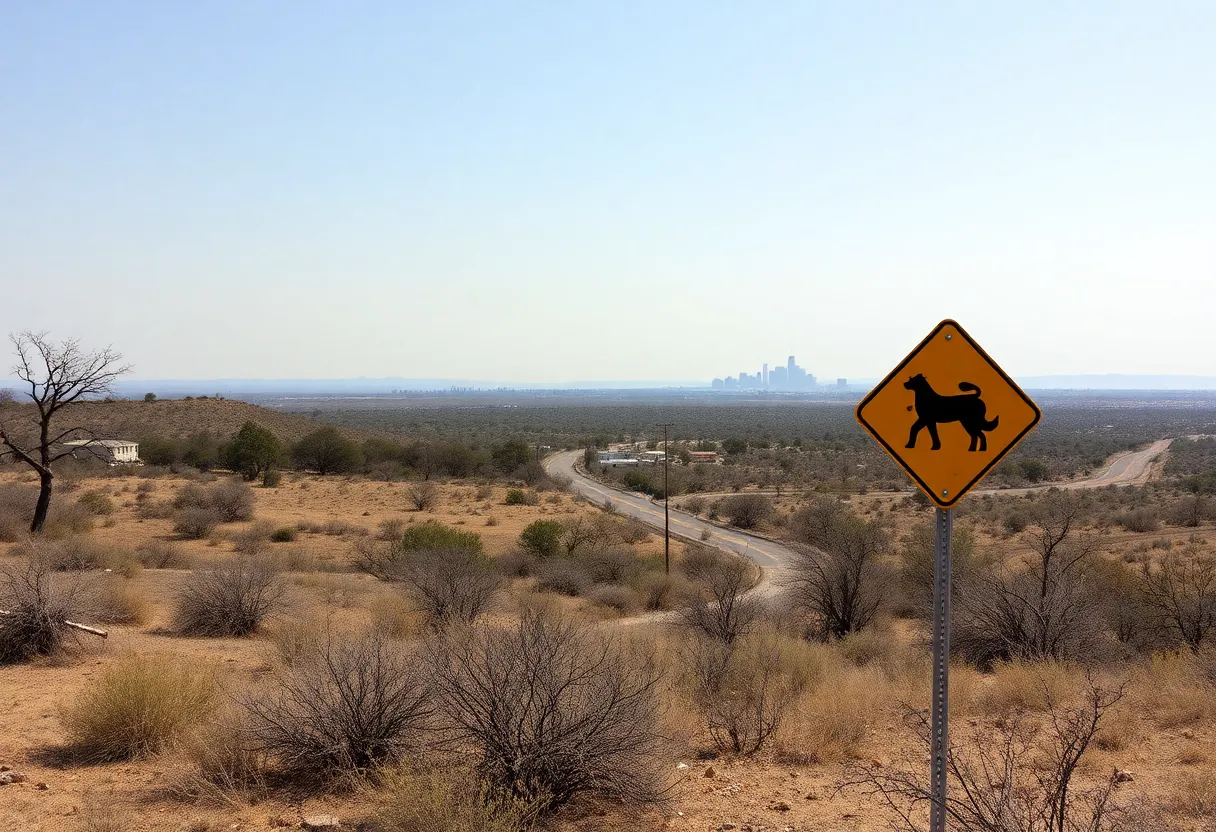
(652, 457)
(112, 451)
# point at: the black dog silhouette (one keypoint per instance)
(933, 408)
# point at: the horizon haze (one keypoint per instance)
(540, 193)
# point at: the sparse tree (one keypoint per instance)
(1044, 609)
(58, 375)
(149, 397)
(253, 451)
(840, 578)
(719, 602)
(746, 511)
(327, 452)
(1181, 590)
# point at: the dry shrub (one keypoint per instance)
(424, 496)
(615, 597)
(554, 708)
(116, 600)
(392, 616)
(67, 519)
(36, 605)
(231, 599)
(444, 800)
(196, 523)
(137, 707)
(873, 645)
(253, 540)
(1028, 686)
(743, 689)
(96, 502)
(78, 554)
(1173, 691)
(231, 500)
(831, 720)
(565, 577)
(16, 510)
(224, 769)
(296, 638)
(163, 554)
(349, 705)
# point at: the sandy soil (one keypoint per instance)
(757, 792)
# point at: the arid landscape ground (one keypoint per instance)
(836, 717)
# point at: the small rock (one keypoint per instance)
(9, 777)
(41, 786)
(1188, 734)
(782, 806)
(320, 822)
(725, 827)
(4, 768)
(1122, 776)
(709, 771)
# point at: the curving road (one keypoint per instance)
(771, 557)
(1129, 468)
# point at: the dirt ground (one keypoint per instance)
(759, 792)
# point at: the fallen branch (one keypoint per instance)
(82, 627)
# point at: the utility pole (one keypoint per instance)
(666, 497)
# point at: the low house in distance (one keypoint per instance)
(652, 457)
(112, 451)
(704, 456)
(617, 459)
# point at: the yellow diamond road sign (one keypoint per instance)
(947, 414)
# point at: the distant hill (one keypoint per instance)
(173, 418)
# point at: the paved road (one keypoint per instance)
(1130, 468)
(772, 557)
(1126, 469)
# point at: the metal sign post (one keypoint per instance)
(940, 727)
(947, 414)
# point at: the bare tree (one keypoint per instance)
(555, 709)
(840, 579)
(58, 374)
(1181, 590)
(1008, 781)
(719, 602)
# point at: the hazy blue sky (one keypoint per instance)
(616, 190)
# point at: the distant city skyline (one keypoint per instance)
(788, 376)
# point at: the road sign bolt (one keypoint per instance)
(945, 492)
(949, 337)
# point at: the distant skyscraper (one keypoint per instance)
(790, 365)
(842, 383)
(765, 372)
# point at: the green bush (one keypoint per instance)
(433, 535)
(285, 534)
(272, 479)
(519, 497)
(542, 538)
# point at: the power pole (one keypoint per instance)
(666, 497)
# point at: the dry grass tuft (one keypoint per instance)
(1195, 795)
(829, 722)
(138, 707)
(116, 600)
(444, 801)
(1028, 686)
(1173, 691)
